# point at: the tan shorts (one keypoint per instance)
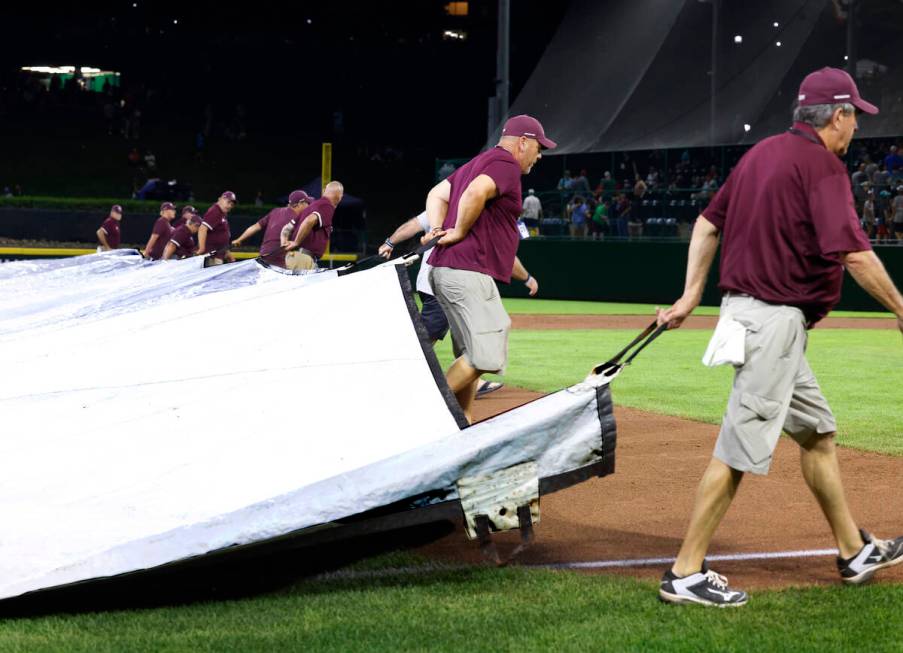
(478, 321)
(298, 260)
(773, 390)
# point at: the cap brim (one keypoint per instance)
(547, 143)
(866, 107)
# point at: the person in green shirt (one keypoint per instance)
(598, 225)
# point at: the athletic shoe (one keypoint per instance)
(874, 555)
(705, 587)
(486, 387)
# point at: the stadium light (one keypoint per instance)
(746, 126)
(738, 39)
(778, 44)
(776, 24)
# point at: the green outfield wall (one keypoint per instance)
(643, 272)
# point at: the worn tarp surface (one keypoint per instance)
(189, 410)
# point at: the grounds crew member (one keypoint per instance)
(186, 213)
(475, 211)
(161, 232)
(311, 230)
(108, 234)
(181, 244)
(272, 247)
(789, 228)
(214, 234)
(431, 313)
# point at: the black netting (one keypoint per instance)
(624, 76)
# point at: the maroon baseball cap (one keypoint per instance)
(194, 219)
(116, 209)
(229, 195)
(167, 206)
(189, 209)
(832, 86)
(530, 127)
(299, 196)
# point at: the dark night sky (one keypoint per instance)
(384, 65)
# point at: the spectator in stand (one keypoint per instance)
(579, 216)
(639, 190)
(161, 232)
(868, 214)
(881, 178)
(532, 212)
(897, 215)
(870, 168)
(108, 234)
(214, 235)
(581, 184)
(181, 243)
(622, 215)
(150, 162)
(652, 179)
(893, 162)
(856, 181)
(258, 201)
(881, 207)
(566, 182)
(599, 224)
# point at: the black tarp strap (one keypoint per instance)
(648, 334)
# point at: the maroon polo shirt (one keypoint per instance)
(163, 229)
(218, 234)
(491, 244)
(318, 239)
(786, 213)
(183, 239)
(272, 224)
(111, 229)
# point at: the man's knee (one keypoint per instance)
(819, 443)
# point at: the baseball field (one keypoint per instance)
(589, 581)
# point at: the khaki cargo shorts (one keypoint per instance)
(478, 321)
(773, 390)
(300, 260)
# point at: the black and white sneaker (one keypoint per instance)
(703, 588)
(876, 554)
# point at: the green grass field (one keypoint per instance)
(485, 609)
(565, 307)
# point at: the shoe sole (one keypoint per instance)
(677, 599)
(483, 393)
(868, 573)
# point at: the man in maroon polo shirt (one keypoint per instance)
(272, 247)
(161, 232)
(788, 228)
(181, 244)
(475, 211)
(214, 234)
(187, 212)
(311, 230)
(108, 234)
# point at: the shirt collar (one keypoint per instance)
(806, 128)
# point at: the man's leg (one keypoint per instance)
(818, 458)
(713, 497)
(463, 379)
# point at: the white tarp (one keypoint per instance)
(172, 423)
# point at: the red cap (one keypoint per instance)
(189, 209)
(194, 219)
(229, 195)
(299, 196)
(167, 206)
(116, 209)
(832, 86)
(530, 127)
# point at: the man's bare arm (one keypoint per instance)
(150, 244)
(407, 229)
(520, 273)
(202, 238)
(102, 237)
(169, 250)
(307, 226)
(250, 231)
(437, 204)
(868, 271)
(703, 245)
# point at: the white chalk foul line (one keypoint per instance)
(654, 562)
(420, 570)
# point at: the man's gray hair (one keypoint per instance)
(819, 115)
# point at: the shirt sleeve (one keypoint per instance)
(716, 211)
(326, 213)
(505, 174)
(264, 221)
(834, 216)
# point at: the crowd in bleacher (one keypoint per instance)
(664, 201)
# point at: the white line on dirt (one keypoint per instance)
(649, 562)
(419, 570)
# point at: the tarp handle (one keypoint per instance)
(648, 334)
